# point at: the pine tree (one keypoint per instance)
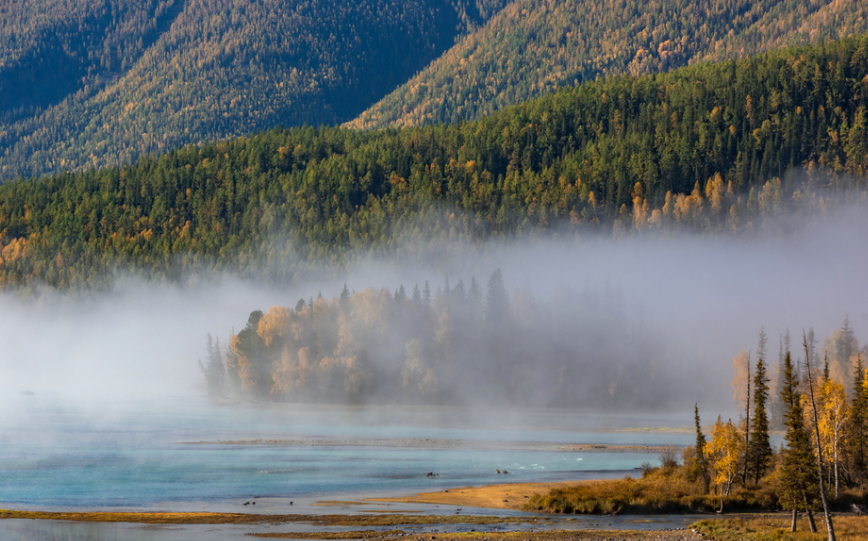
(798, 476)
(760, 451)
(345, 297)
(858, 402)
(213, 370)
(700, 461)
(497, 300)
(426, 295)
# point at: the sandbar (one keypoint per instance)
(500, 496)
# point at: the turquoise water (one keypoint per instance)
(51, 457)
(140, 456)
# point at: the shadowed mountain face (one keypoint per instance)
(52, 49)
(535, 46)
(100, 83)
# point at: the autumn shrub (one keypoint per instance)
(660, 490)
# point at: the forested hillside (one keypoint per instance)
(536, 46)
(714, 147)
(99, 83)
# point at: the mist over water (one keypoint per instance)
(703, 298)
(101, 394)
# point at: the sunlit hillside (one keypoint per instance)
(536, 46)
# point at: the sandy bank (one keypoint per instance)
(501, 496)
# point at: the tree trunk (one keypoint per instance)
(836, 464)
(795, 519)
(830, 529)
(810, 514)
(746, 427)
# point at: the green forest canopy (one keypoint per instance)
(710, 147)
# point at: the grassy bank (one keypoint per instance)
(552, 535)
(663, 490)
(777, 528)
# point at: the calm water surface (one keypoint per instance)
(140, 456)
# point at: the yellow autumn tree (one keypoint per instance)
(273, 325)
(724, 451)
(245, 376)
(741, 395)
(640, 207)
(833, 413)
(294, 371)
(714, 190)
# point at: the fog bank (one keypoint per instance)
(704, 297)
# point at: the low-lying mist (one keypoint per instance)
(640, 321)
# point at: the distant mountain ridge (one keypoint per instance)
(536, 46)
(100, 83)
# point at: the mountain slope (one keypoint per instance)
(536, 46)
(709, 147)
(102, 83)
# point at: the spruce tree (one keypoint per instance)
(760, 451)
(345, 297)
(858, 402)
(700, 463)
(798, 479)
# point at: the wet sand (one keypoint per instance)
(501, 496)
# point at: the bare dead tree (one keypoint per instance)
(810, 377)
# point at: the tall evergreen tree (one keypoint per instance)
(700, 461)
(760, 451)
(345, 297)
(798, 476)
(858, 402)
(496, 300)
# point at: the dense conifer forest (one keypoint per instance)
(713, 147)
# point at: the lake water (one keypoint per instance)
(142, 456)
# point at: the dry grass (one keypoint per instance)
(777, 528)
(659, 491)
(551, 535)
